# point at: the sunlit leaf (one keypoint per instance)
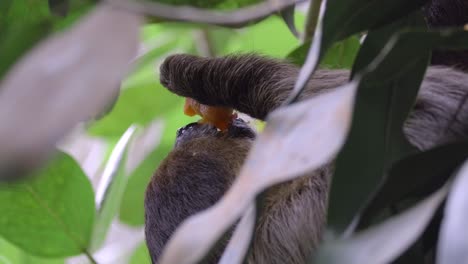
(50, 214)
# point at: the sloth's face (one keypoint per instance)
(239, 129)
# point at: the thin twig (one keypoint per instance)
(312, 19)
(233, 19)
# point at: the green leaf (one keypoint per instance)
(384, 100)
(269, 37)
(340, 56)
(18, 39)
(453, 242)
(386, 143)
(414, 177)
(343, 19)
(51, 214)
(10, 254)
(59, 7)
(110, 189)
(136, 105)
(383, 243)
(141, 255)
(132, 206)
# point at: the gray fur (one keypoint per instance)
(294, 215)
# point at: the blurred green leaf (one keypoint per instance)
(270, 37)
(110, 189)
(51, 214)
(343, 19)
(141, 255)
(453, 242)
(17, 39)
(383, 101)
(4, 9)
(414, 177)
(340, 56)
(10, 254)
(59, 7)
(383, 243)
(139, 105)
(24, 23)
(132, 207)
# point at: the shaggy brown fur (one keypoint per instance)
(204, 162)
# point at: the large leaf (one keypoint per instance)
(50, 214)
(340, 56)
(410, 49)
(384, 99)
(281, 153)
(342, 19)
(383, 243)
(414, 177)
(65, 90)
(453, 242)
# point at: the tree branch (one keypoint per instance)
(234, 19)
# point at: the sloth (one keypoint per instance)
(205, 161)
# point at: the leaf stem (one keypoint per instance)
(90, 257)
